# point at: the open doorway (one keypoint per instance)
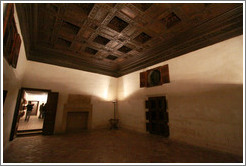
(32, 111)
(37, 123)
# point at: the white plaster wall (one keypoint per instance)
(41, 98)
(66, 81)
(205, 97)
(12, 82)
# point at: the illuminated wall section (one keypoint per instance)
(205, 97)
(66, 81)
(41, 97)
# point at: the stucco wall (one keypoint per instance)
(12, 82)
(66, 81)
(205, 97)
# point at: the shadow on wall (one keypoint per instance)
(205, 114)
(211, 101)
(211, 118)
(181, 88)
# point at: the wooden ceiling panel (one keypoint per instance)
(75, 13)
(101, 14)
(91, 50)
(76, 46)
(124, 49)
(156, 10)
(117, 24)
(116, 39)
(87, 33)
(143, 6)
(129, 12)
(62, 43)
(142, 38)
(111, 57)
(101, 40)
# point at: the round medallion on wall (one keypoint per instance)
(154, 78)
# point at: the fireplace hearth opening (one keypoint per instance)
(77, 121)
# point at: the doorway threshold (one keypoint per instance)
(22, 133)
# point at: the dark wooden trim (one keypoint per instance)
(143, 79)
(22, 131)
(35, 89)
(165, 78)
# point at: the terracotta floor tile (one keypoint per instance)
(109, 146)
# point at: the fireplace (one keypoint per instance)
(77, 121)
(77, 113)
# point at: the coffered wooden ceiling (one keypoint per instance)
(118, 38)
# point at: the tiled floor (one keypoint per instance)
(109, 146)
(33, 123)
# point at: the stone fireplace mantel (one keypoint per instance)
(77, 103)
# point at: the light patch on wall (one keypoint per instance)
(129, 85)
(106, 89)
(69, 81)
(39, 96)
(105, 94)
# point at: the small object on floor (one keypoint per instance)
(114, 123)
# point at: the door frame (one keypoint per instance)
(17, 107)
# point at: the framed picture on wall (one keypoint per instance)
(35, 108)
(11, 38)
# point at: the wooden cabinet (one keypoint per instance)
(157, 116)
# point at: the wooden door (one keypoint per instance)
(16, 114)
(50, 116)
(158, 116)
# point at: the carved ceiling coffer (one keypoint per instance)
(119, 38)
